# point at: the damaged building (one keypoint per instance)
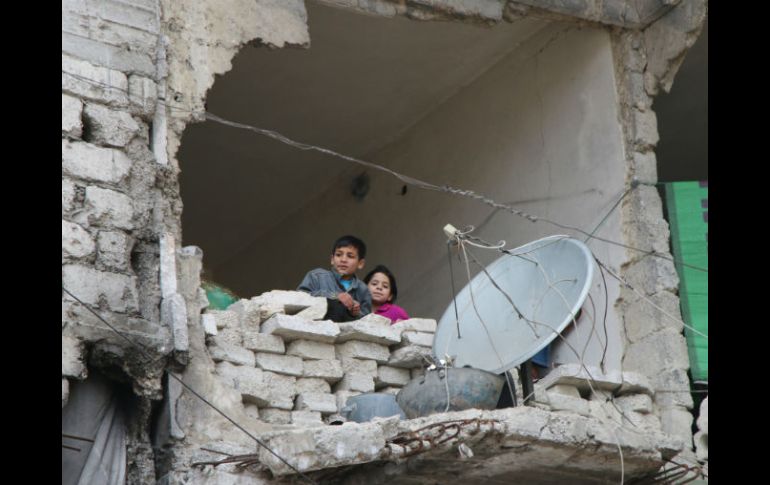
(233, 141)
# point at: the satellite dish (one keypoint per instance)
(547, 280)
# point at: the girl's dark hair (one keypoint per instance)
(381, 268)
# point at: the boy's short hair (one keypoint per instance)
(351, 241)
(381, 268)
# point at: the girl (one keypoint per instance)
(382, 286)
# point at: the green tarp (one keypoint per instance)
(687, 204)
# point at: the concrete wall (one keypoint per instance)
(539, 129)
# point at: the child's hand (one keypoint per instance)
(356, 310)
(346, 300)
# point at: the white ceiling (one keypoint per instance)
(360, 84)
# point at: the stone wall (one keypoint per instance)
(291, 367)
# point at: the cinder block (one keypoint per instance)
(260, 342)
(90, 285)
(308, 349)
(313, 401)
(231, 336)
(313, 384)
(306, 418)
(562, 402)
(72, 364)
(328, 370)
(363, 350)
(67, 195)
(640, 403)
(94, 163)
(251, 410)
(359, 366)
(292, 302)
(249, 313)
(409, 357)
(224, 318)
(108, 126)
(114, 249)
(92, 82)
(417, 372)
(392, 376)
(107, 208)
(209, 324)
(142, 94)
(281, 364)
(71, 110)
(390, 390)
(417, 338)
(342, 398)
(282, 390)
(222, 351)
(275, 416)
(76, 242)
(248, 381)
(367, 331)
(417, 325)
(355, 382)
(296, 328)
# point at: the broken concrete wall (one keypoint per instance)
(539, 129)
(116, 203)
(646, 62)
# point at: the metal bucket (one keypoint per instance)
(364, 407)
(467, 388)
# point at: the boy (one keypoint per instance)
(348, 297)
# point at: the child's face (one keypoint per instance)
(379, 287)
(345, 261)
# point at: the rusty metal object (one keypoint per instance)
(670, 475)
(240, 461)
(433, 435)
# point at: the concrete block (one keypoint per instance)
(342, 398)
(249, 313)
(92, 286)
(328, 370)
(375, 319)
(672, 388)
(677, 422)
(295, 328)
(173, 314)
(224, 318)
(114, 249)
(355, 382)
(634, 383)
(312, 384)
(359, 366)
(281, 364)
(90, 162)
(392, 376)
(95, 83)
(367, 331)
(316, 401)
(71, 110)
(292, 302)
(251, 410)
(638, 403)
(260, 342)
(409, 357)
(65, 391)
(72, 364)
(315, 312)
(249, 381)
(363, 350)
(417, 325)
(576, 375)
(231, 336)
(209, 324)
(417, 338)
(275, 416)
(76, 242)
(109, 127)
(645, 128)
(306, 418)
(108, 208)
(657, 353)
(68, 195)
(309, 349)
(565, 390)
(222, 351)
(563, 402)
(417, 372)
(282, 390)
